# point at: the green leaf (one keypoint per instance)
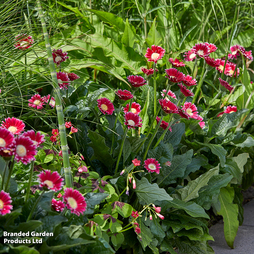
(195, 235)
(99, 247)
(229, 211)
(145, 234)
(177, 168)
(144, 114)
(244, 39)
(117, 239)
(241, 160)
(153, 37)
(191, 190)
(175, 136)
(23, 250)
(232, 168)
(93, 199)
(126, 150)
(124, 211)
(163, 153)
(195, 164)
(165, 246)
(149, 193)
(128, 37)
(27, 226)
(48, 158)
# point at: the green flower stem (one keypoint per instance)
(154, 90)
(113, 138)
(34, 206)
(195, 63)
(5, 168)
(9, 175)
(30, 180)
(121, 150)
(59, 107)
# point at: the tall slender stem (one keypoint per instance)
(34, 206)
(154, 89)
(59, 107)
(9, 175)
(30, 180)
(3, 176)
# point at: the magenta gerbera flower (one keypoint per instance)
(57, 205)
(37, 138)
(211, 47)
(185, 91)
(211, 61)
(25, 150)
(74, 201)
(191, 110)
(176, 62)
(152, 165)
(234, 52)
(132, 120)
(228, 110)
(226, 84)
(135, 108)
(124, 94)
(246, 54)
(72, 76)
(36, 102)
(190, 55)
(148, 72)
(23, 41)
(168, 106)
(5, 203)
(63, 79)
(188, 81)
(59, 56)
(6, 139)
(136, 81)
(230, 70)
(163, 125)
(220, 66)
(52, 181)
(105, 106)
(201, 49)
(14, 125)
(170, 93)
(174, 75)
(154, 54)
(52, 101)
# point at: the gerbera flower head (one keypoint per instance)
(201, 49)
(36, 101)
(234, 52)
(6, 139)
(188, 81)
(14, 125)
(124, 94)
(63, 79)
(185, 91)
(132, 120)
(174, 75)
(230, 70)
(228, 110)
(148, 72)
(191, 110)
(37, 138)
(74, 201)
(57, 205)
(136, 81)
(152, 165)
(211, 61)
(52, 101)
(23, 41)
(154, 54)
(52, 181)
(5, 203)
(105, 106)
(226, 84)
(246, 54)
(25, 150)
(168, 106)
(176, 63)
(220, 64)
(163, 125)
(190, 55)
(59, 56)
(72, 76)
(170, 93)
(135, 108)
(211, 47)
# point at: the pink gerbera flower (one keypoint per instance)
(52, 181)
(185, 91)
(211, 47)
(132, 120)
(23, 41)
(37, 138)
(5, 203)
(174, 75)
(135, 108)
(25, 150)
(14, 125)
(148, 72)
(176, 62)
(201, 49)
(72, 76)
(63, 79)
(246, 54)
(188, 81)
(226, 85)
(220, 64)
(152, 165)
(234, 52)
(59, 56)
(105, 106)
(136, 81)
(191, 110)
(154, 54)
(74, 201)
(57, 205)
(6, 139)
(190, 55)
(163, 125)
(170, 93)
(36, 102)
(124, 95)
(211, 61)
(228, 110)
(168, 106)
(52, 101)
(230, 70)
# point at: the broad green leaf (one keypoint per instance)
(195, 164)
(166, 246)
(145, 234)
(101, 246)
(154, 37)
(232, 168)
(126, 150)
(191, 190)
(49, 158)
(93, 199)
(175, 136)
(241, 160)
(23, 250)
(244, 39)
(155, 228)
(162, 153)
(117, 239)
(248, 142)
(128, 37)
(149, 193)
(124, 211)
(27, 226)
(229, 212)
(143, 114)
(195, 235)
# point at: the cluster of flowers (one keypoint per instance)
(56, 135)
(72, 199)
(15, 143)
(38, 102)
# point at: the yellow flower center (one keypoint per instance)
(155, 56)
(1, 204)
(2, 142)
(37, 102)
(21, 150)
(192, 55)
(53, 103)
(201, 52)
(72, 202)
(234, 52)
(12, 129)
(171, 76)
(152, 166)
(221, 67)
(189, 111)
(104, 107)
(58, 58)
(231, 112)
(49, 183)
(231, 72)
(23, 43)
(131, 122)
(133, 110)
